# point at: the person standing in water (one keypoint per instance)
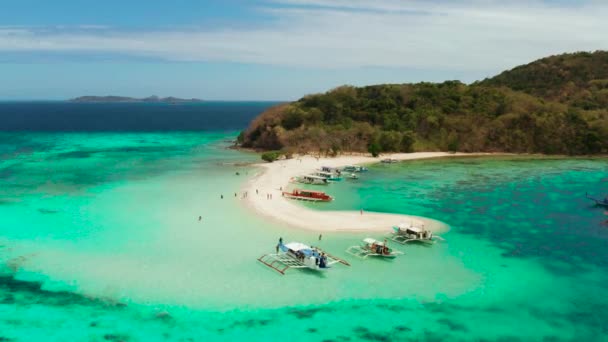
(200, 218)
(320, 237)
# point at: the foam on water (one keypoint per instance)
(101, 240)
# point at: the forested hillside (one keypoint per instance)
(557, 105)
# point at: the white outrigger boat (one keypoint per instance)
(389, 161)
(330, 176)
(312, 179)
(354, 168)
(299, 255)
(403, 234)
(373, 248)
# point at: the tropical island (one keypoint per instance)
(124, 99)
(555, 105)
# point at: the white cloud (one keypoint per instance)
(459, 35)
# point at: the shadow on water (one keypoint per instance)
(18, 292)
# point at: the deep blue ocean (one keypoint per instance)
(133, 117)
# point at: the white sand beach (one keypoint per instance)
(275, 176)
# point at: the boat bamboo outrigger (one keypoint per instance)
(373, 248)
(299, 255)
(307, 195)
(599, 202)
(403, 234)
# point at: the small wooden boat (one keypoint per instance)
(299, 255)
(307, 195)
(598, 202)
(352, 176)
(373, 248)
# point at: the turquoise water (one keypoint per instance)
(100, 241)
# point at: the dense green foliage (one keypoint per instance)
(579, 79)
(271, 156)
(518, 111)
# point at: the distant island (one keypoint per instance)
(122, 99)
(555, 105)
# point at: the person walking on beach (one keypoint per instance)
(256, 191)
(361, 211)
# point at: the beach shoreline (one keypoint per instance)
(264, 196)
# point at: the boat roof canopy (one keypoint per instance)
(373, 241)
(411, 227)
(297, 246)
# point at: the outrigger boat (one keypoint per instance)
(599, 202)
(299, 255)
(389, 161)
(354, 168)
(403, 234)
(373, 248)
(330, 170)
(353, 176)
(312, 179)
(329, 176)
(307, 195)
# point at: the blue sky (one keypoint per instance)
(275, 49)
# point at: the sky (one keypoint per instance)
(276, 49)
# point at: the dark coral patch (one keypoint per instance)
(454, 326)
(116, 337)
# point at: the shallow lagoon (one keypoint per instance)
(101, 241)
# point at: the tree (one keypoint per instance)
(271, 156)
(407, 142)
(374, 149)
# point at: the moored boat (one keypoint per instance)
(389, 161)
(307, 195)
(374, 248)
(329, 176)
(312, 179)
(299, 255)
(352, 176)
(354, 168)
(403, 234)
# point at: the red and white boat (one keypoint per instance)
(308, 195)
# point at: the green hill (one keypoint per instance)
(578, 79)
(528, 110)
